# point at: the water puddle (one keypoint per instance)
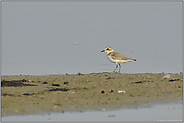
(160, 112)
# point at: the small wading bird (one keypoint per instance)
(116, 57)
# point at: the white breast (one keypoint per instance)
(116, 61)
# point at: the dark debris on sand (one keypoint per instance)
(15, 83)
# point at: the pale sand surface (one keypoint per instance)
(82, 92)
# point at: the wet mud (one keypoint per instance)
(27, 94)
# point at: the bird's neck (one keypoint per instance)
(110, 51)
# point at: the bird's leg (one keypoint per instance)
(119, 67)
(116, 67)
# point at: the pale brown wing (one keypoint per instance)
(118, 56)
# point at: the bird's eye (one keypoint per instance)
(107, 49)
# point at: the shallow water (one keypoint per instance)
(159, 112)
(67, 37)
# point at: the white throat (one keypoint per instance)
(109, 51)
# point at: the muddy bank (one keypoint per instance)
(26, 94)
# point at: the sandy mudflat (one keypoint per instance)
(26, 94)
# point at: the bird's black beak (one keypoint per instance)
(102, 50)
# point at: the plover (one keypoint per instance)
(116, 57)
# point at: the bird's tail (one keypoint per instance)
(131, 59)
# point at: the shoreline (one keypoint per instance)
(110, 72)
(30, 94)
